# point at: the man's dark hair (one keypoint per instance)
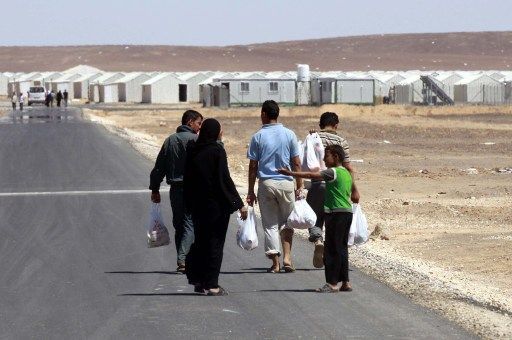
(328, 119)
(336, 150)
(271, 108)
(190, 115)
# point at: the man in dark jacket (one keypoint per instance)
(170, 163)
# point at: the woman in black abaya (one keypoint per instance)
(211, 198)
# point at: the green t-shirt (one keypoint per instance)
(338, 189)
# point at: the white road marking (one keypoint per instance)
(74, 193)
(230, 311)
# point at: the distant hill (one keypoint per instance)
(438, 51)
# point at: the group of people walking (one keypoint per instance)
(203, 196)
(15, 99)
(50, 97)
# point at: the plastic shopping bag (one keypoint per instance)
(302, 216)
(157, 233)
(313, 159)
(358, 233)
(246, 236)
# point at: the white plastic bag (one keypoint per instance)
(246, 236)
(313, 158)
(157, 233)
(358, 233)
(302, 216)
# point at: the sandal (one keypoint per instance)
(345, 289)
(326, 288)
(273, 270)
(288, 268)
(221, 292)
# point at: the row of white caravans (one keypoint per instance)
(247, 88)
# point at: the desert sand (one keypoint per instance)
(429, 51)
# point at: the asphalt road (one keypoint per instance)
(74, 262)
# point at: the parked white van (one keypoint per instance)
(36, 94)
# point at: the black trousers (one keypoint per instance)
(205, 257)
(337, 227)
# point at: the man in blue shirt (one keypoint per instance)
(271, 148)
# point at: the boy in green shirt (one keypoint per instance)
(338, 217)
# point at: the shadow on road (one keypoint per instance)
(161, 294)
(150, 272)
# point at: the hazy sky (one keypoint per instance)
(223, 22)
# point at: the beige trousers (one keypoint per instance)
(276, 198)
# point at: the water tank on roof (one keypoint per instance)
(303, 72)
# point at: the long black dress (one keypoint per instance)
(211, 197)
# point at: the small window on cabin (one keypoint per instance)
(244, 87)
(273, 86)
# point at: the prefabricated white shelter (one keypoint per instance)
(384, 81)
(479, 89)
(189, 85)
(81, 85)
(129, 87)
(97, 90)
(65, 83)
(446, 81)
(21, 83)
(4, 84)
(161, 89)
(409, 90)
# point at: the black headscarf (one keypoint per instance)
(209, 133)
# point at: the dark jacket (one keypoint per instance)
(208, 187)
(170, 162)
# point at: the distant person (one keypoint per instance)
(211, 196)
(328, 134)
(338, 217)
(22, 100)
(170, 163)
(14, 100)
(273, 147)
(59, 98)
(65, 96)
(47, 98)
(52, 98)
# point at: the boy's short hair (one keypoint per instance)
(271, 108)
(336, 150)
(328, 119)
(190, 115)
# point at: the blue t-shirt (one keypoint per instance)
(273, 146)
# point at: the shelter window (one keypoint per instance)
(273, 86)
(244, 87)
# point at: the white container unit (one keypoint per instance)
(161, 89)
(96, 87)
(355, 91)
(408, 91)
(129, 87)
(479, 89)
(4, 82)
(189, 85)
(255, 88)
(81, 85)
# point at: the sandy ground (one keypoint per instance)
(436, 182)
